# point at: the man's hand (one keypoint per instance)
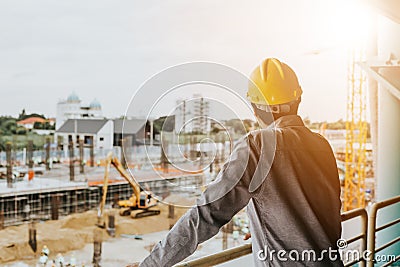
(247, 236)
(136, 264)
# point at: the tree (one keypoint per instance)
(8, 126)
(22, 115)
(21, 131)
(38, 125)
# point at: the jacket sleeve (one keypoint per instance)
(224, 197)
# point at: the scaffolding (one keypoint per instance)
(46, 205)
(356, 136)
(41, 205)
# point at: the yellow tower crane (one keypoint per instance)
(356, 136)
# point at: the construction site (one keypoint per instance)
(104, 192)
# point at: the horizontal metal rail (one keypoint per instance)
(372, 229)
(388, 225)
(220, 257)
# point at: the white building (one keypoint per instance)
(103, 133)
(100, 132)
(72, 108)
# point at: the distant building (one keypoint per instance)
(29, 122)
(134, 129)
(100, 132)
(72, 108)
(192, 115)
(103, 133)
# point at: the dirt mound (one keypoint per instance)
(77, 221)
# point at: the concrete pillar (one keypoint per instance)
(9, 166)
(47, 161)
(30, 154)
(388, 176)
(372, 52)
(388, 169)
(151, 132)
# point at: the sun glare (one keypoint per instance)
(348, 23)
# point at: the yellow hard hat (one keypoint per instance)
(273, 83)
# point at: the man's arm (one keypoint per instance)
(226, 196)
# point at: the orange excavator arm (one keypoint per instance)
(111, 160)
(142, 201)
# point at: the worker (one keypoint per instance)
(60, 260)
(45, 250)
(284, 173)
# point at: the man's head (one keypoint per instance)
(274, 91)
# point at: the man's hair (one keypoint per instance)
(266, 116)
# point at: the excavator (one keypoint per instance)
(137, 206)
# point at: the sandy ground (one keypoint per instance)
(74, 232)
(73, 236)
(123, 251)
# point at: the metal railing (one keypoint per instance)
(352, 214)
(367, 238)
(218, 258)
(373, 230)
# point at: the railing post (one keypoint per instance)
(371, 235)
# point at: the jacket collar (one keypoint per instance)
(289, 120)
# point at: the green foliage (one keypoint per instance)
(18, 135)
(20, 130)
(8, 125)
(38, 125)
(165, 123)
(43, 126)
(21, 141)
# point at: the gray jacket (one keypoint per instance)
(287, 177)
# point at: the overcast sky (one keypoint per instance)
(107, 49)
